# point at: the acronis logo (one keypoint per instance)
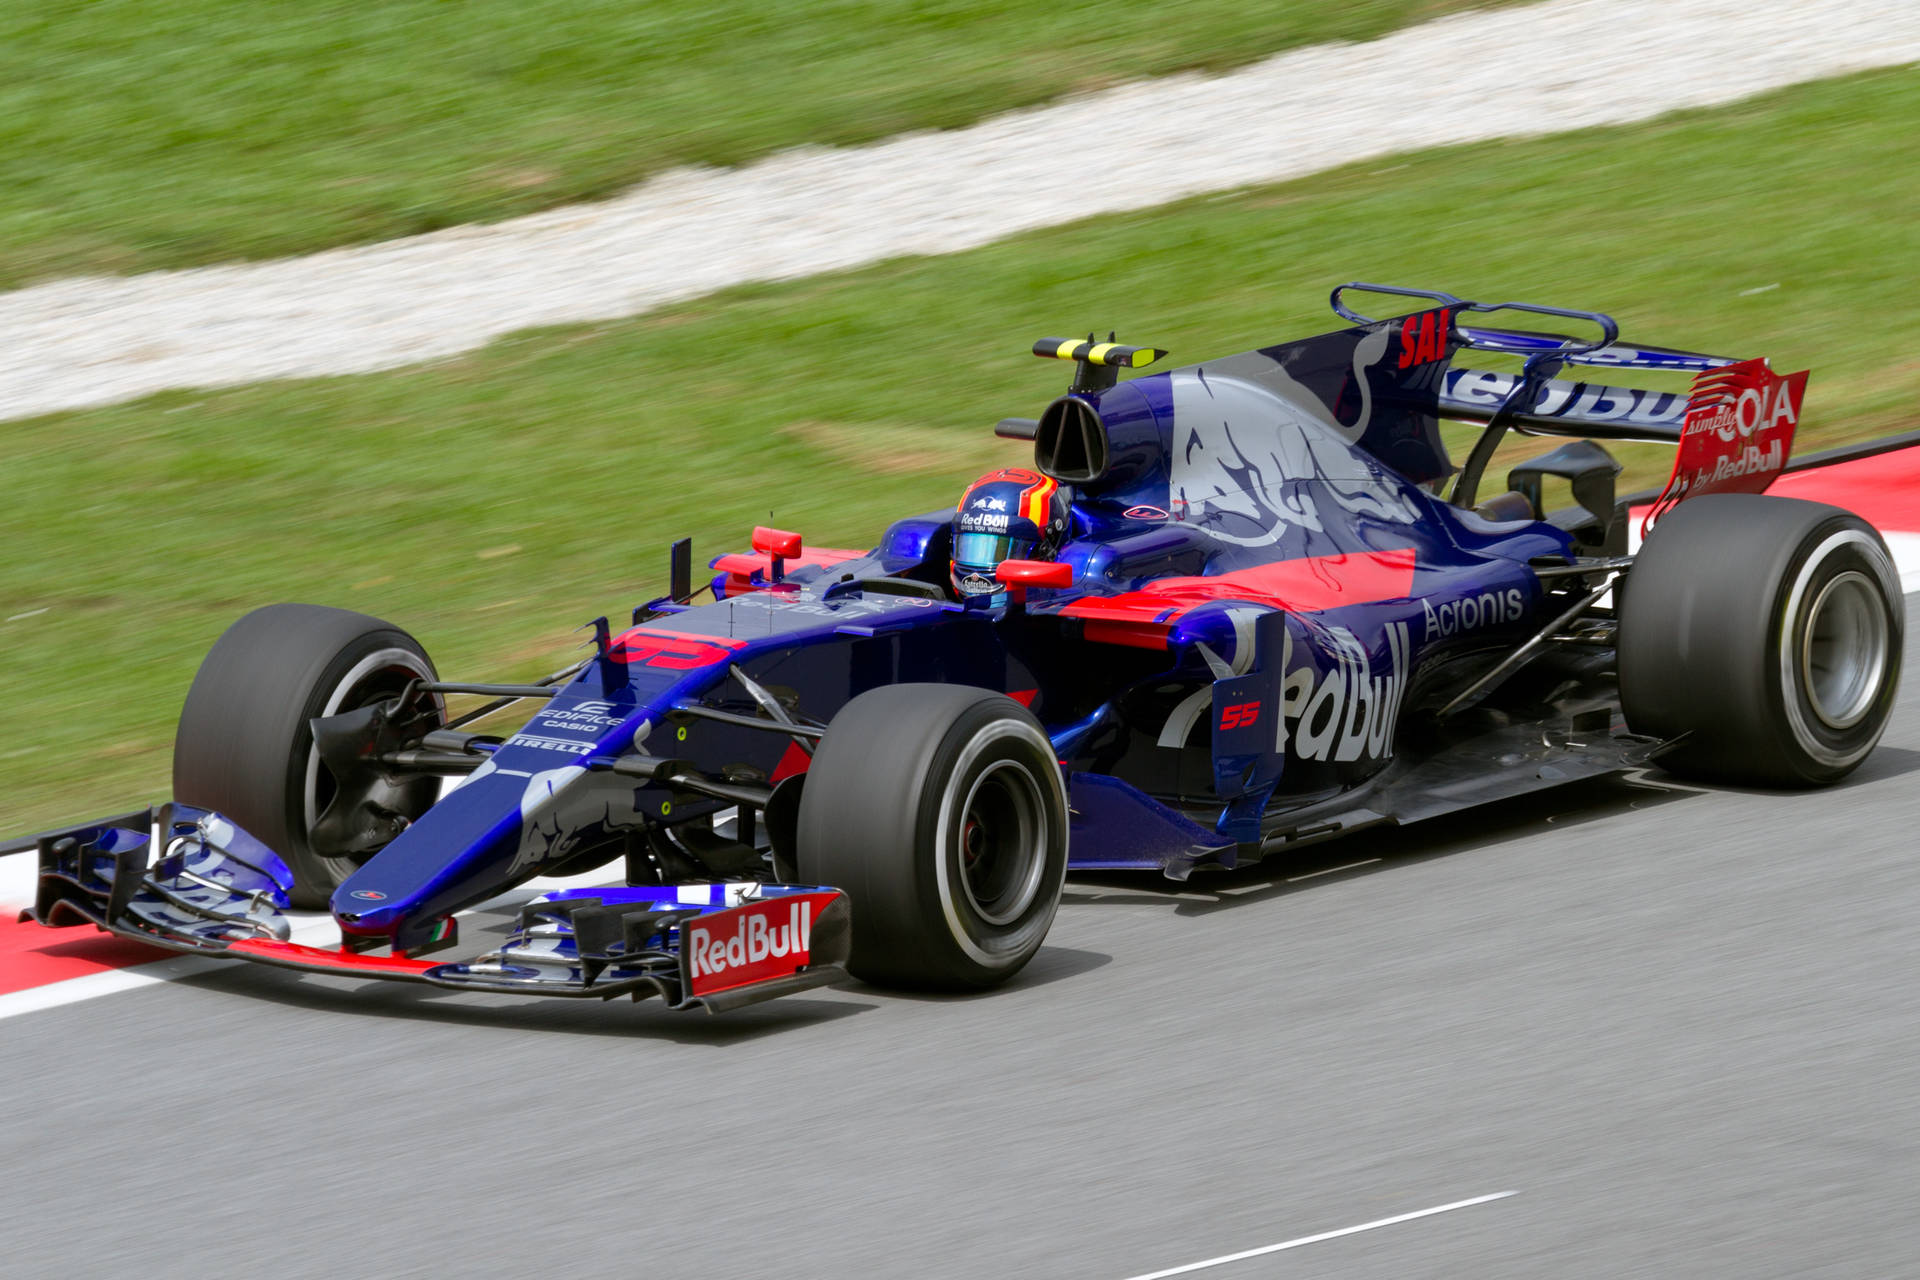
(1488, 609)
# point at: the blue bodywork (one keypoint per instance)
(1245, 503)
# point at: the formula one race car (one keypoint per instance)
(1233, 608)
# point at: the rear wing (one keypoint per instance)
(1734, 424)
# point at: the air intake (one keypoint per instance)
(1070, 445)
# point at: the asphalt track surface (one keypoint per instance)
(1681, 1025)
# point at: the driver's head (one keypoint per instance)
(1011, 514)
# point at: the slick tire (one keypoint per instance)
(244, 747)
(1764, 635)
(940, 812)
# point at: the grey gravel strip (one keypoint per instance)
(1563, 65)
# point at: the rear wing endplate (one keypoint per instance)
(1734, 425)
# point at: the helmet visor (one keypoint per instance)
(975, 556)
(986, 550)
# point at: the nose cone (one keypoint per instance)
(364, 910)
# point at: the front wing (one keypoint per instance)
(188, 880)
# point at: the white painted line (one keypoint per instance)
(104, 983)
(311, 929)
(1905, 548)
(31, 613)
(1345, 866)
(1324, 1235)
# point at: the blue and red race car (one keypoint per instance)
(1232, 609)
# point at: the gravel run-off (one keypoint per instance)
(1562, 65)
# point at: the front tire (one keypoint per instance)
(244, 747)
(1764, 635)
(940, 811)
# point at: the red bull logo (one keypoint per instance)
(1346, 712)
(754, 942)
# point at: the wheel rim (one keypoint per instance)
(1002, 842)
(381, 674)
(1843, 650)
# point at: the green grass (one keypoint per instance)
(137, 134)
(492, 502)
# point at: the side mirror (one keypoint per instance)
(778, 546)
(776, 542)
(1019, 575)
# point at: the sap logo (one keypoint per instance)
(1423, 338)
(1240, 715)
(989, 504)
(1488, 609)
(1348, 713)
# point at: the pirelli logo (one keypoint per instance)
(1100, 353)
(550, 744)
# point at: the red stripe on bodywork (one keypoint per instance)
(1132, 634)
(1141, 618)
(329, 959)
(32, 955)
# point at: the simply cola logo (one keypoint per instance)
(1737, 400)
(1737, 435)
(753, 942)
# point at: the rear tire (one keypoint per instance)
(244, 747)
(940, 811)
(1765, 635)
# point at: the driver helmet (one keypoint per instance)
(1010, 514)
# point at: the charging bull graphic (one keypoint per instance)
(560, 807)
(1248, 464)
